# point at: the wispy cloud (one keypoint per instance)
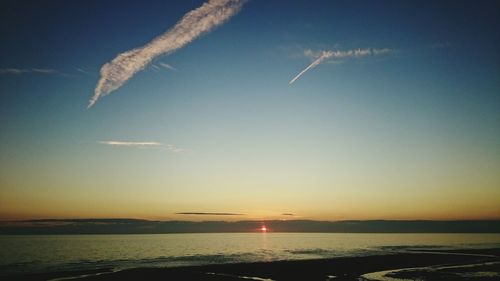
(84, 71)
(321, 56)
(167, 66)
(439, 45)
(143, 144)
(209, 214)
(288, 214)
(161, 66)
(132, 143)
(27, 70)
(194, 24)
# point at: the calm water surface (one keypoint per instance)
(77, 252)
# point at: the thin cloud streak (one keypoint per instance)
(194, 24)
(321, 56)
(27, 71)
(209, 214)
(131, 143)
(82, 70)
(144, 144)
(168, 66)
(315, 63)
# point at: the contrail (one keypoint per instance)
(323, 55)
(168, 66)
(192, 25)
(27, 70)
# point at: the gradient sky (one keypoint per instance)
(413, 133)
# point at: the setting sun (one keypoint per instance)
(263, 228)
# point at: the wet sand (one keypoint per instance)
(472, 264)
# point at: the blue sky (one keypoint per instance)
(375, 136)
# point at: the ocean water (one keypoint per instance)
(44, 253)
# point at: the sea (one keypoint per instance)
(50, 253)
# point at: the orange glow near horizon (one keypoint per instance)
(263, 229)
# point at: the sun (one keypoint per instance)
(263, 228)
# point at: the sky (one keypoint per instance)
(324, 110)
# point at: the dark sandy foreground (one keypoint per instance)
(480, 264)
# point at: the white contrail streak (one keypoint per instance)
(324, 55)
(168, 66)
(194, 24)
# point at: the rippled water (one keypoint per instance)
(76, 252)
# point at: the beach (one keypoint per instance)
(466, 264)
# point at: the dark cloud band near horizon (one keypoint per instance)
(209, 214)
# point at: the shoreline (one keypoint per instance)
(340, 268)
